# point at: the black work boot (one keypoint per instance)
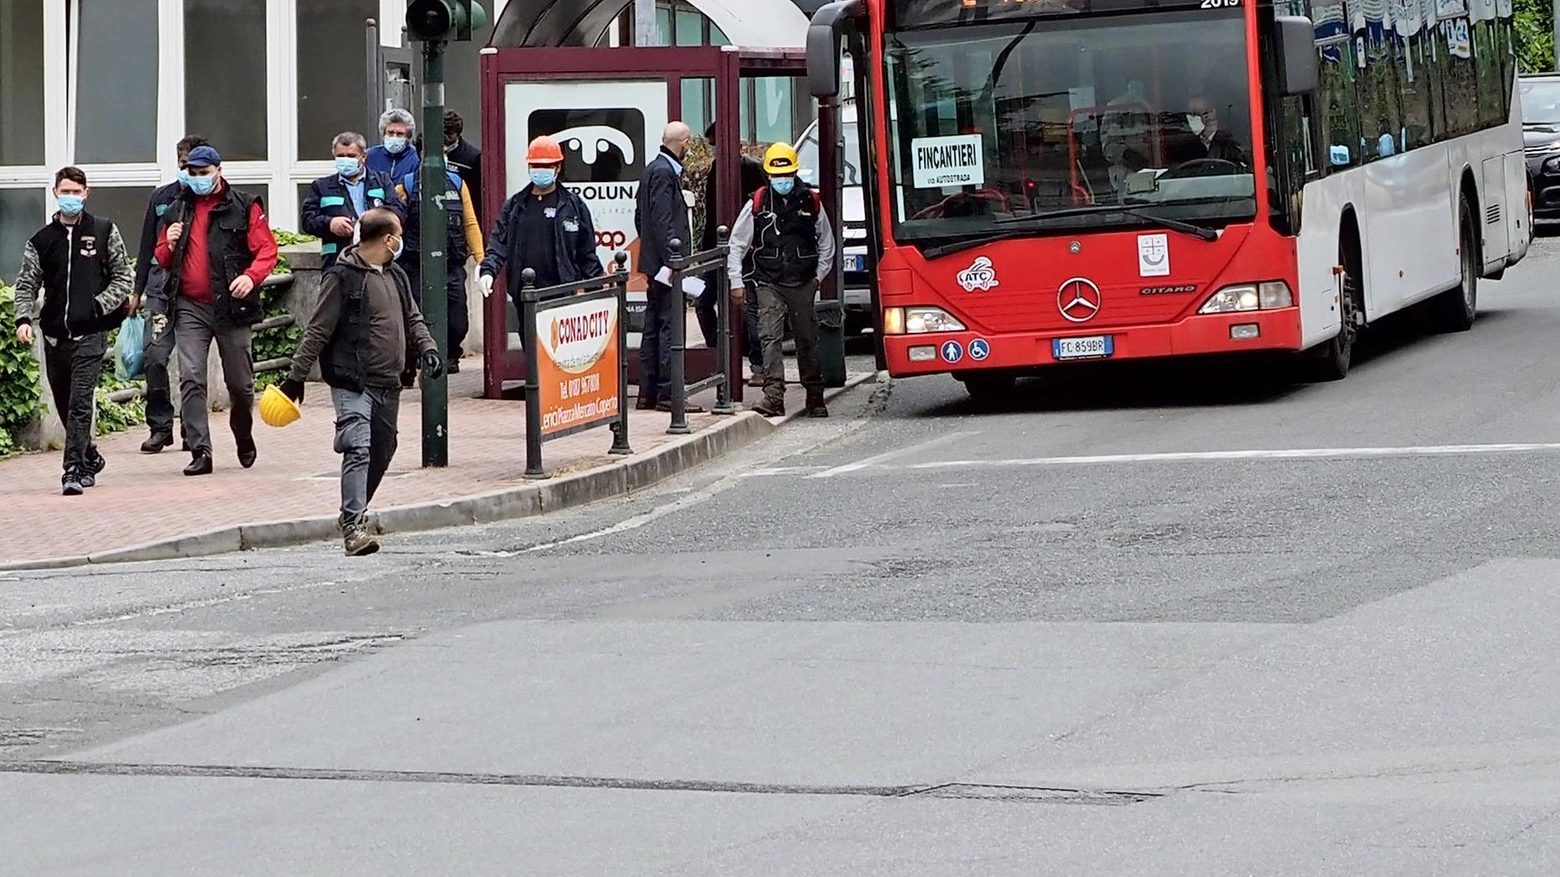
(200, 465)
(815, 406)
(159, 439)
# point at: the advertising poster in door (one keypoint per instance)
(608, 130)
(577, 364)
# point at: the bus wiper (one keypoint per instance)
(1200, 231)
(968, 244)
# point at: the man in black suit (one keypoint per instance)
(660, 217)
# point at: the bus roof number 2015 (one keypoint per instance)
(1219, 4)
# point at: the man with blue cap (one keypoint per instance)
(217, 247)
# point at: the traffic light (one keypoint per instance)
(428, 20)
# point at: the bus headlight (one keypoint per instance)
(1249, 297)
(919, 321)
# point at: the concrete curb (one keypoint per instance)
(604, 482)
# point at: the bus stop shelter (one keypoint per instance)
(542, 73)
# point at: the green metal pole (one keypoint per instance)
(434, 259)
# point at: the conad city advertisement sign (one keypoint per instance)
(577, 363)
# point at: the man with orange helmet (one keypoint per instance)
(544, 227)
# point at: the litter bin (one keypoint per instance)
(831, 341)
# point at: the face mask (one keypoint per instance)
(783, 185)
(395, 251)
(347, 166)
(395, 145)
(71, 205)
(184, 177)
(1195, 121)
(203, 185)
(543, 178)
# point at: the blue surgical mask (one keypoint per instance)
(348, 166)
(71, 205)
(543, 178)
(184, 177)
(783, 185)
(395, 145)
(203, 185)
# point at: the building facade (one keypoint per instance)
(111, 85)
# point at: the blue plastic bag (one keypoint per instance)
(130, 348)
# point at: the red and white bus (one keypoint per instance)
(1060, 180)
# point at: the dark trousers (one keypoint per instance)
(755, 344)
(704, 308)
(775, 303)
(159, 351)
(366, 439)
(195, 327)
(709, 321)
(456, 317)
(655, 343)
(73, 366)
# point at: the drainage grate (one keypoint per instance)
(1036, 795)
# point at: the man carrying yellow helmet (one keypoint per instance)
(792, 245)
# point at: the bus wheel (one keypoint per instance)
(1334, 357)
(989, 389)
(1455, 309)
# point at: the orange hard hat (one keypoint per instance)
(544, 150)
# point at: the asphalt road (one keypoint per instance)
(1148, 621)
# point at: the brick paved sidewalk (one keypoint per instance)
(144, 498)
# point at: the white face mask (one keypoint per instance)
(1195, 121)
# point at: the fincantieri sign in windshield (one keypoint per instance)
(947, 161)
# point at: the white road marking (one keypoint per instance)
(1199, 456)
(770, 471)
(877, 460)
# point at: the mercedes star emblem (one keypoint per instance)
(1078, 299)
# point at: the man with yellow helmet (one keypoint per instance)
(784, 227)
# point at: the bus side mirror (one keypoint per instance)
(823, 45)
(1297, 60)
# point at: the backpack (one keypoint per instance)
(758, 199)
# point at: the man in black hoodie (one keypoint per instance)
(78, 261)
(366, 333)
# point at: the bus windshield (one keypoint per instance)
(999, 124)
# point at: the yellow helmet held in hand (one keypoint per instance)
(276, 409)
(780, 159)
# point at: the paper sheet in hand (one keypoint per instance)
(664, 276)
(693, 287)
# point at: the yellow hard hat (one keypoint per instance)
(780, 159)
(276, 409)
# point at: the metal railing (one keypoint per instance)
(278, 322)
(697, 265)
(574, 399)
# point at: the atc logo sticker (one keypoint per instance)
(600, 145)
(1153, 255)
(980, 275)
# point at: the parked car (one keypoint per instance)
(857, 294)
(1540, 95)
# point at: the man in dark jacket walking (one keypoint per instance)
(660, 217)
(334, 203)
(366, 332)
(78, 261)
(463, 157)
(544, 227)
(150, 280)
(217, 248)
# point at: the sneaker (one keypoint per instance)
(771, 407)
(97, 464)
(70, 483)
(758, 378)
(155, 443)
(87, 479)
(358, 543)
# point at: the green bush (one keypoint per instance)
(20, 389)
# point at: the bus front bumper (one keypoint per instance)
(1203, 334)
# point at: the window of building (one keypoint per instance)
(115, 93)
(21, 215)
(126, 206)
(225, 75)
(331, 89)
(21, 83)
(775, 116)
